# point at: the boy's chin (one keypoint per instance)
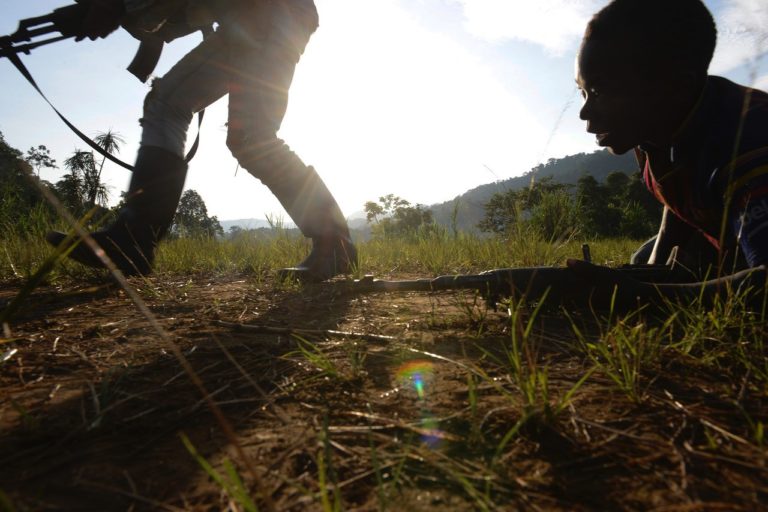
(615, 143)
(619, 150)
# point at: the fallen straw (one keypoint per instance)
(287, 331)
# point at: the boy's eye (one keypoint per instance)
(590, 92)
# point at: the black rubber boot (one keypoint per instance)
(313, 208)
(151, 201)
(330, 256)
(315, 212)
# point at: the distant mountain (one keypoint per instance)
(568, 170)
(356, 221)
(471, 204)
(249, 224)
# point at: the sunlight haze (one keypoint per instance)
(423, 99)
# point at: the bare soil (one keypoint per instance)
(94, 401)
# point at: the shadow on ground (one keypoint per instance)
(94, 402)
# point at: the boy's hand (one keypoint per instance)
(103, 18)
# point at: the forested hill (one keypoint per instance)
(563, 170)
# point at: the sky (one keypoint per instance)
(423, 99)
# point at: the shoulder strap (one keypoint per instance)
(16, 60)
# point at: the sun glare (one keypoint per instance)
(381, 105)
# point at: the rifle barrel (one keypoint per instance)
(489, 281)
(66, 20)
(25, 24)
(6, 50)
(532, 282)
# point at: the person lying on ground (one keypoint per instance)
(701, 142)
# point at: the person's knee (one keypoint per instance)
(164, 121)
(258, 153)
(237, 146)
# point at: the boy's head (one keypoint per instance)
(641, 67)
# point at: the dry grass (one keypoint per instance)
(443, 404)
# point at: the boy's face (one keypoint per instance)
(622, 107)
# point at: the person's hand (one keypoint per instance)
(103, 18)
(630, 294)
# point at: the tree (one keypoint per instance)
(14, 171)
(635, 221)
(20, 197)
(373, 211)
(69, 189)
(555, 215)
(543, 203)
(502, 211)
(81, 184)
(394, 216)
(40, 157)
(618, 207)
(110, 142)
(192, 218)
(637, 195)
(81, 190)
(616, 185)
(621, 206)
(595, 218)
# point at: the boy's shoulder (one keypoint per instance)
(734, 143)
(735, 127)
(738, 114)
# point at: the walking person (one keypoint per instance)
(251, 57)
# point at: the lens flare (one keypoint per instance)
(419, 373)
(416, 372)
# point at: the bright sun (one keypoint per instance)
(409, 112)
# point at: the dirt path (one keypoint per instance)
(93, 402)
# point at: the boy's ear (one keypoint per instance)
(686, 83)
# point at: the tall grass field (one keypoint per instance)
(303, 399)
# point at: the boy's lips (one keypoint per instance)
(600, 134)
(600, 138)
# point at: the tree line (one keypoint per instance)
(24, 210)
(619, 207)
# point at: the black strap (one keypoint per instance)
(14, 58)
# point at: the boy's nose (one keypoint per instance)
(585, 114)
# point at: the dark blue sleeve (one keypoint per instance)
(750, 223)
(746, 190)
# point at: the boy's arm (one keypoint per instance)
(672, 232)
(613, 285)
(748, 216)
(749, 220)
